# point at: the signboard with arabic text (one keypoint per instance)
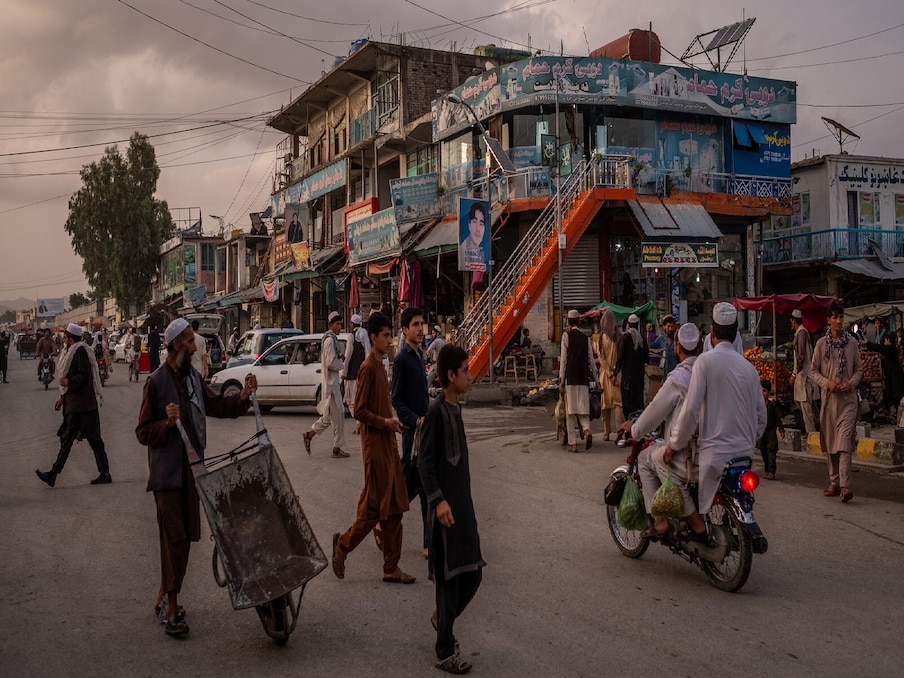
(679, 254)
(373, 237)
(416, 198)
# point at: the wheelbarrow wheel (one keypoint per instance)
(279, 616)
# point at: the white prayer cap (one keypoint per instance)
(174, 329)
(438, 329)
(724, 313)
(688, 336)
(573, 314)
(74, 330)
(796, 314)
(356, 319)
(633, 319)
(334, 316)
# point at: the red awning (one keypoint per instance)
(380, 269)
(812, 307)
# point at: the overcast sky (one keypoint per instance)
(74, 73)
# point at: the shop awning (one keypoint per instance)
(812, 307)
(443, 237)
(857, 313)
(872, 269)
(671, 220)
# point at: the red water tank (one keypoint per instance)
(639, 45)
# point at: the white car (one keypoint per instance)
(288, 373)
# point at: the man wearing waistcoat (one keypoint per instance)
(174, 392)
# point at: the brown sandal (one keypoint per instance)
(846, 495)
(454, 664)
(339, 454)
(832, 491)
(399, 577)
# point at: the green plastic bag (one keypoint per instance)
(631, 514)
(668, 502)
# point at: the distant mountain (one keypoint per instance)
(19, 304)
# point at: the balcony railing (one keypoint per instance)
(830, 244)
(697, 181)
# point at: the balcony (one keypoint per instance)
(830, 244)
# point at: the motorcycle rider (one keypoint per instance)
(663, 408)
(46, 350)
(723, 395)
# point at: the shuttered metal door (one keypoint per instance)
(580, 275)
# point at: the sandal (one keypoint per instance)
(574, 448)
(846, 495)
(454, 664)
(339, 454)
(589, 442)
(832, 491)
(307, 437)
(652, 533)
(433, 622)
(176, 626)
(399, 577)
(159, 608)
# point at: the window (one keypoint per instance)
(208, 257)
(631, 133)
(340, 139)
(423, 161)
(863, 209)
(385, 94)
(800, 205)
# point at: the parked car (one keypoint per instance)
(288, 373)
(209, 326)
(255, 342)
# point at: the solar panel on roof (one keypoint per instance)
(729, 34)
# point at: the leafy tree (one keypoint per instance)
(8, 316)
(77, 299)
(116, 224)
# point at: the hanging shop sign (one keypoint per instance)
(679, 254)
(416, 198)
(373, 237)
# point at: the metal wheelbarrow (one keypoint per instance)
(260, 532)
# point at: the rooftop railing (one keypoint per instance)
(830, 244)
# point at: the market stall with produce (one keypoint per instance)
(776, 363)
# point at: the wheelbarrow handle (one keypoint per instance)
(195, 462)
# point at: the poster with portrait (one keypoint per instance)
(473, 235)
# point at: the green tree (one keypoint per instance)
(116, 224)
(8, 316)
(77, 299)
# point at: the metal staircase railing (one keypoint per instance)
(586, 175)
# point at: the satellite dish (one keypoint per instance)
(840, 133)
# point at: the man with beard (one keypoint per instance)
(174, 392)
(632, 356)
(80, 396)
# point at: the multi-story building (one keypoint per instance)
(845, 235)
(661, 171)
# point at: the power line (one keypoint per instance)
(37, 202)
(207, 44)
(859, 124)
(828, 63)
(895, 103)
(834, 44)
(463, 25)
(122, 141)
(306, 18)
(288, 37)
(242, 184)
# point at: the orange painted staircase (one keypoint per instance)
(525, 275)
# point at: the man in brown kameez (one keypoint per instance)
(836, 369)
(384, 498)
(174, 392)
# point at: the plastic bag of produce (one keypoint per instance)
(668, 501)
(631, 513)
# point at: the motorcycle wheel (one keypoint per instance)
(631, 543)
(732, 573)
(46, 384)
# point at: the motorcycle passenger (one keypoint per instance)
(46, 351)
(725, 398)
(664, 408)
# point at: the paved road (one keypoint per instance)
(80, 568)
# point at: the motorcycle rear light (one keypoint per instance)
(749, 481)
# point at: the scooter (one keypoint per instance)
(733, 536)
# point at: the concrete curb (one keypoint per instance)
(873, 453)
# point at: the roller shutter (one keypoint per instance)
(580, 275)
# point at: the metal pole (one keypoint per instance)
(489, 251)
(559, 218)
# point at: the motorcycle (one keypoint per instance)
(46, 371)
(726, 557)
(102, 367)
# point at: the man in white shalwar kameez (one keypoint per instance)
(664, 408)
(331, 407)
(726, 400)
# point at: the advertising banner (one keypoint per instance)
(301, 256)
(197, 295)
(47, 308)
(679, 254)
(373, 237)
(619, 82)
(416, 198)
(473, 235)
